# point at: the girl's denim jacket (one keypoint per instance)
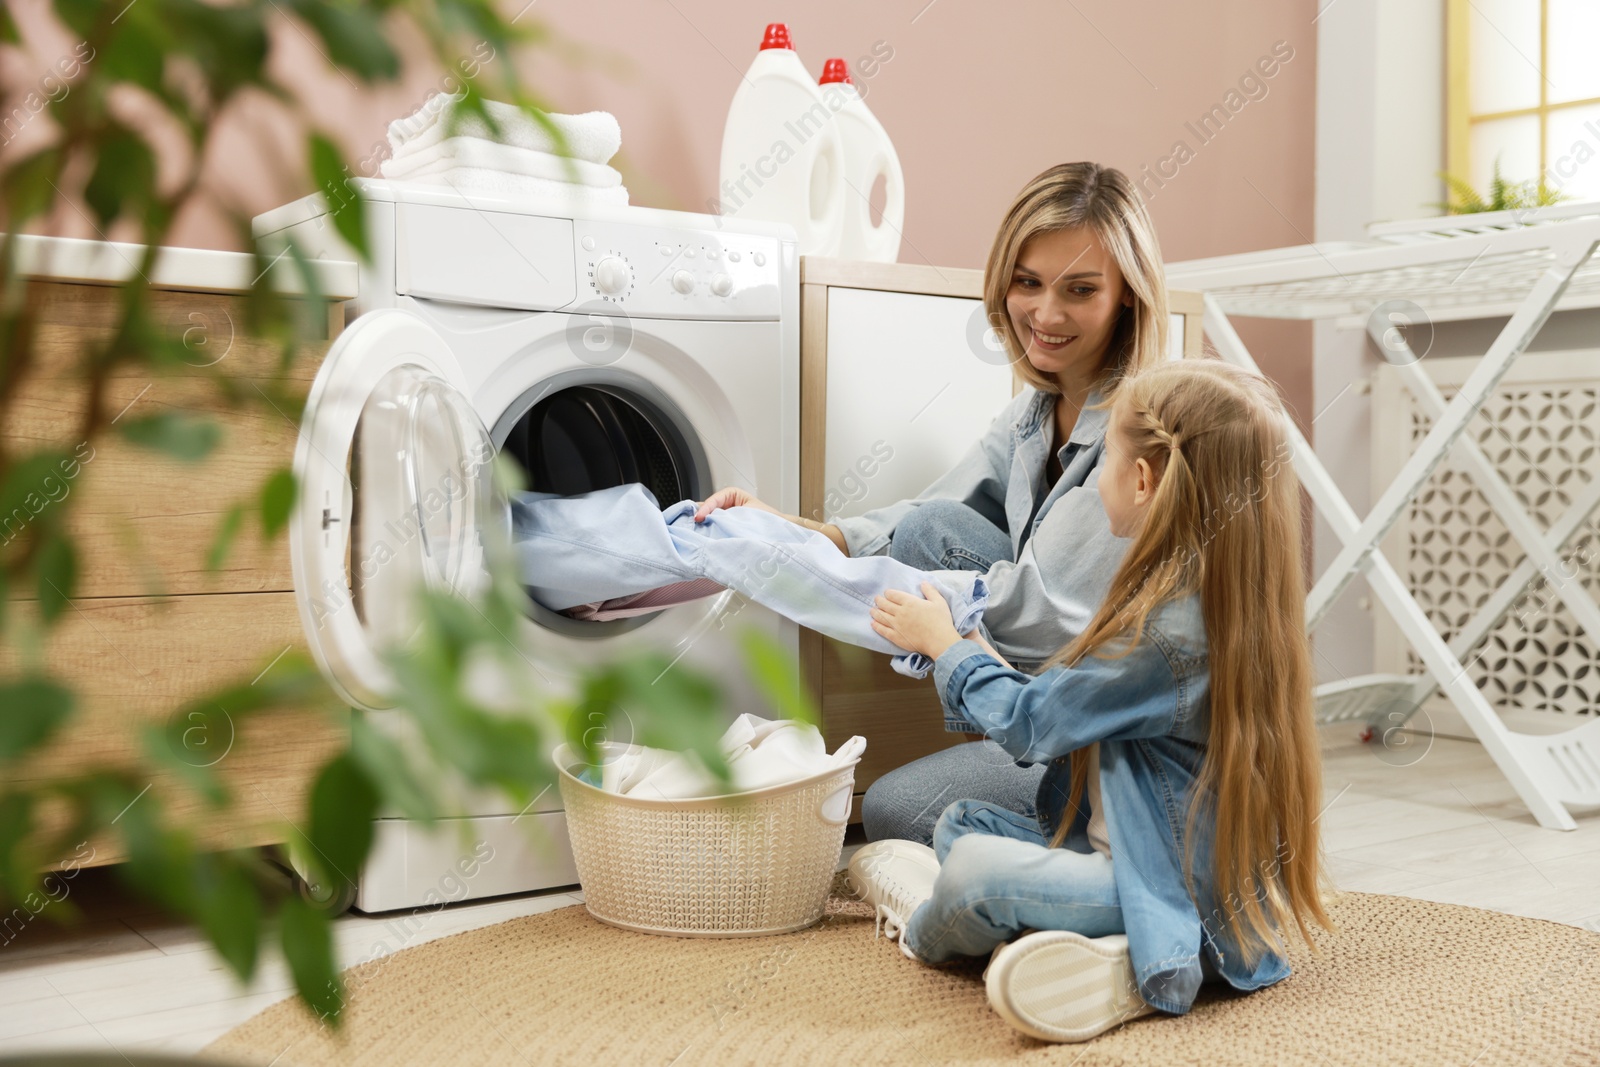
(1063, 551)
(1150, 712)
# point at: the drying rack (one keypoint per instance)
(1524, 264)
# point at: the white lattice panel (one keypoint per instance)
(1541, 430)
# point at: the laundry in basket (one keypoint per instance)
(760, 753)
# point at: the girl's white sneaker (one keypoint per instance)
(896, 878)
(1056, 985)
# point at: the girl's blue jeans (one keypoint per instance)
(998, 877)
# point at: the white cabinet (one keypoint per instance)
(909, 391)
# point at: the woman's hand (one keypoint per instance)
(915, 624)
(731, 497)
(734, 497)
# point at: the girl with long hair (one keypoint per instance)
(1184, 775)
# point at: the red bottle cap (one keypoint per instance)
(835, 70)
(777, 36)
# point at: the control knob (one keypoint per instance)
(611, 275)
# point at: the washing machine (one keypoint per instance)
(596, 346)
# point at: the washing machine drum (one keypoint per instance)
(585, 438)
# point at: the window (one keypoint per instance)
(1524, 86)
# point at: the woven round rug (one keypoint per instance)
(1402, 981)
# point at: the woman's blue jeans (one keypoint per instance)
(998, 877)
(907, 802)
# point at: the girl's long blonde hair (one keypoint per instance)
(1103, 200)
(1224, 522)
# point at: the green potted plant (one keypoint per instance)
(189, 61)
(1503, 195)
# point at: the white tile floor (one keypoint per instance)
(1445, 827)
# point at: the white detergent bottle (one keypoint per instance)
(868, 155)
(782, 156)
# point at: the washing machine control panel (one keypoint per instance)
(679, 273)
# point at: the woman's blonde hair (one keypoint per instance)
(1224, 522)
(1103, 200)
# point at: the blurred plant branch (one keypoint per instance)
(191, 60)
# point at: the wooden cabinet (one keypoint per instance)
(149, 626)
(898, 378)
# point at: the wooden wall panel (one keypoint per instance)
(134, 661)
(144, 521)
(149, 629)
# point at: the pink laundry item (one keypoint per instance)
(626, 607)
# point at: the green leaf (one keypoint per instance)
(79, 15)
(124, 177)
(399, 785)
(227, 532)
(189, 746)
(345, 203)
(133, 51)
(308, 948)
(650, 700)
(352, 38)
(33, 486)
(34, 709)
(673, 707)
(777, 675)
(162, 861)
(19, 871)
(57, 570)
(290, 681)
(230, 912)
(186, 437)
(8, 27)
(30, 185)
(229, 41)
(343, 805)
(277, 501)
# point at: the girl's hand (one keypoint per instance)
(731, 497)
(915, 624)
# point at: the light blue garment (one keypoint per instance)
(1063, 551)
(998, 877)
(905, 803)
(1150, 712)
(617, 542)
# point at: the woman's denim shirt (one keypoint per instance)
(1062, 545)
(1150, 712)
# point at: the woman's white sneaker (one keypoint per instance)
(1056, 985)
(896, 878)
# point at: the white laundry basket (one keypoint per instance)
(741, 865)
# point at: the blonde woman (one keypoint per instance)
(1177, 727)
(1075, 288)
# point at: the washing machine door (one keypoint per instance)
(395, 473)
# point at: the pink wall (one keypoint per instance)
(978, 97)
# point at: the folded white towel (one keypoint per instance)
(486, 155)
(593, 136)
(479, 180)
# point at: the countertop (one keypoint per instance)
(200, 270)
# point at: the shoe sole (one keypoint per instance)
(1062, 986)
